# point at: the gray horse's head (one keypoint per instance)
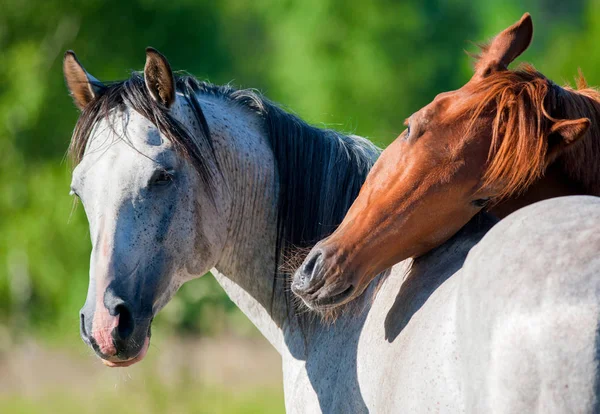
(140, 147)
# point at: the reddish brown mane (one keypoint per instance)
(525, 104)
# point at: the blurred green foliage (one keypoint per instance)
(358, 66)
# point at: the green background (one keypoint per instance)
(354, 65)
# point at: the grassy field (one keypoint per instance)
(149, 398)
(224, 375)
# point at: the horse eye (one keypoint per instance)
(407, 132)
(481, 202)
(162, 177)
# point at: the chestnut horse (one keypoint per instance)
(506, 139)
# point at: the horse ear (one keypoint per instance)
(82, 86)
(505, 47)
(564, 133)
(159, 77)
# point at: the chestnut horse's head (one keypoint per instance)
(484, 142)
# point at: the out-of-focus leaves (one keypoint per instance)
(359, 66)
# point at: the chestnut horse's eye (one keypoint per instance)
(162, 177)
(481, 202)
(406, 132)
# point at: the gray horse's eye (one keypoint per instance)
(162, 177)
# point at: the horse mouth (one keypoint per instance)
(338, 299)
(119, 363)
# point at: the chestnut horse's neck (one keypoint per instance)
(554, 183)
(580, 162)
(576, 171)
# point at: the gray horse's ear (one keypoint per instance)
(505, 47)
(159, 77)
(82, 86)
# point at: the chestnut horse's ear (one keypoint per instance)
(564, 133)
(82, 86)
(505, 47)
(159, 77)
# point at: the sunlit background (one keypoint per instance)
(354, 65)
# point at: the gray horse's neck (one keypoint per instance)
(247, 269)
(247, 265)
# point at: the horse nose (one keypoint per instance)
(119, 309)
(306, 279)
(112, 326)
(125, 323)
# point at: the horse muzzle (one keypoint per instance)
(115, 332)
(319, 287)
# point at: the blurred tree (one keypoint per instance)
(362, 67)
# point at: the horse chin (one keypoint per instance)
(114, 362)
(327, 301)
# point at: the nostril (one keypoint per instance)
(309, 266)
(82, 329)
(126, 322)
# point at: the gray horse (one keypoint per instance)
(178, 177)
(529, 311)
